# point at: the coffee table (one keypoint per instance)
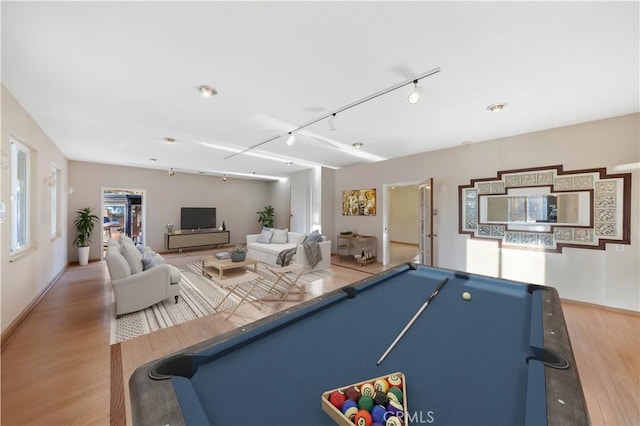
(222, 265)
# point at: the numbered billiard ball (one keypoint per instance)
(337, 398)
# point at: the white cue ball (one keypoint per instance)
(466, 295)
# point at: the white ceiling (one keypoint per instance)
(107, 82)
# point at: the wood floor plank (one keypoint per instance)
(117, 408)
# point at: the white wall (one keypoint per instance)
(279, 198)
(608, 277)
(236, 200)
(327, 217)
(22, 280)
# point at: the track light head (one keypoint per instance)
(224, 178)
(171, 172)
(291, 139)
(332, 122)
(414, 96)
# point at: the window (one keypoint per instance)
(52, 182)
(20, 193)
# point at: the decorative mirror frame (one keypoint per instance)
(610, 209)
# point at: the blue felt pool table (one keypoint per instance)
(503, 357)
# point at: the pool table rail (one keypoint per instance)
(565, 399)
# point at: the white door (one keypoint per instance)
(300, 204)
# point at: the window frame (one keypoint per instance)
(20, 243)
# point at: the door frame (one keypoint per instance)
(143, 193)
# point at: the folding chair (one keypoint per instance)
(230, 284)
(289, 275)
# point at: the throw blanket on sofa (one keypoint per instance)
(285, 256)
(311, 249)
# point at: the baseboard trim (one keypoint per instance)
(77, 263)
(602, 307)
(16, 323)
(406, 244)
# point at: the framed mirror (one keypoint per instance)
(547, 208)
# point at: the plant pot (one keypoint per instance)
(83, 255)
(238, 257)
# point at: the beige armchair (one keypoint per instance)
(135, 288)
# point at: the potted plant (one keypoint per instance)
(238, 254)
(84, 223)
(266, 216)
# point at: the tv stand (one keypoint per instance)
(195, 238)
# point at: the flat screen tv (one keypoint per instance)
(197, 217)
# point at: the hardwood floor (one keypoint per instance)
(56, 367)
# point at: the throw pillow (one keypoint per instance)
(279, 236)
(133, 256)
(265, 236)
(125, 239)
(314, 236)
(151, 259)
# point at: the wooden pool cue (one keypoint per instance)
(433, 294)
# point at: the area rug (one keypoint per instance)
(199, 295)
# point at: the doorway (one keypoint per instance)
(401, 237)
(123, 213)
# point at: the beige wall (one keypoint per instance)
(404, 214)
(236, 201)
(23, 279)
(609, 277)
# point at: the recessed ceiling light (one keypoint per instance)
(497, 107)
(169, 140)
(207, 91)
(153, 160)
(357, 144)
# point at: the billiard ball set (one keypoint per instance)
(381, 401)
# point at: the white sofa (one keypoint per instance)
(268, 253)
(134, 287)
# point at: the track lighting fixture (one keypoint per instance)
(224, 178)
(171, 172)
(414, 96)
(291, 139)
